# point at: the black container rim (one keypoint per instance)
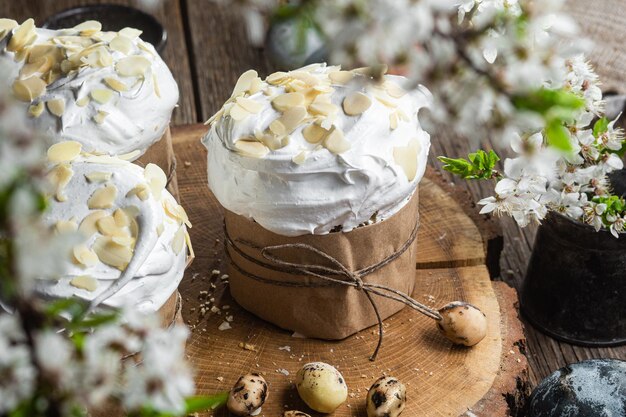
(71, 11)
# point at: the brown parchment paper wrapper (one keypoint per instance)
(331, 312)
(162, 154)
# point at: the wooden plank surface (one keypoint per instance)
(442, 380)
(208, 49)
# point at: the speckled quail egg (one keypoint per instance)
(462, 323)
(248, 395)
(321, 387)
(386, 398)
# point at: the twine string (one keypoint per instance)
(336, 275)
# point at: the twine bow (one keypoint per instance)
(336, 275)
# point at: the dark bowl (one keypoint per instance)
(113, 18)
(593, 388)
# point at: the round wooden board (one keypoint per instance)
(441, 379)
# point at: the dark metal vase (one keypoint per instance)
(575, 286)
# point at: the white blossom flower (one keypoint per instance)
(163, 380)
(593, 214)
(55, 356)
(18, 374)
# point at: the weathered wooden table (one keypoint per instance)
(207, 49)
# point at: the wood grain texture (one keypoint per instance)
(442, 380)
(168, 13)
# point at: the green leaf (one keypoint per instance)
(98, 319)
(600, 127)
(558, 136)
(203, 403)
(544, 100)
(479, 165)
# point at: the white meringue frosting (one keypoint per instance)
(110, 91)
(345, 151)
(130, 225)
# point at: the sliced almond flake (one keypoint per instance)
(100, 117)
(323, 88)
(88, 28)
(216, 117)
(393, 89)
(121, 44)
(23, 35)
(51, 76)
(375, 71)
(159, 229)
(103, 198)
(98, 177)
(6, 26)
(296, 86)
(406, 157)
(178, 241)
(64, 151)
(286, 101)
(393, 120)
(130, 33)
(36, 52)
(255, 86)
(276, 78)
(300, 158)
(156, 179)
(142, 191)
(306, 77)
(82, 102)
(41, 66)
(176, 211)
(327, 122)
(56, 106)
(244, 82)
(269, 91)
(115, 84)
(84, 282)
(88, 226)
(105, 59)
(59, 177)
(85, 256)
(238, 113)
(121, 218)
(104, 36)
(249, 105)
(111, 253)
(101, 95)
(324, 109)
(155, 85)
(132, 66)
(356, 103)
(277, 128)
(35, 110)
(341, 77)
(336, 143)
(130, 156)
(65, 226)
(314, 133)
(124, 241)
(29, 89)
(192, 254)
(252, 149)
(292, 118)
(275, 142)
(108, 227)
